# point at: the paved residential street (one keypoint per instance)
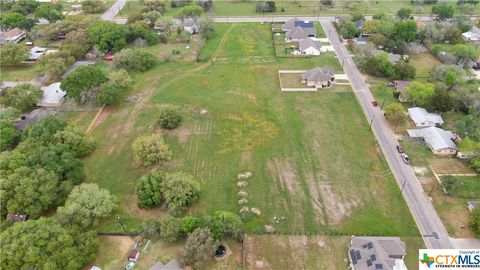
(113, 10)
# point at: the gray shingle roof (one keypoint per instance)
(171, 265)
(420, 115)
(318, 74)
(436, 138)
(376, 252)
(308, 42)
(296, 33)
(290, 24)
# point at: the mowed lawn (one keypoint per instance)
(313, 159)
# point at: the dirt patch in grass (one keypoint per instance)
(419, 170)
(314, 190)
(245, 158)
(103, 116)
(447, 165)
(112, 252)
(336, 207)
(284, 174)
(182, 134)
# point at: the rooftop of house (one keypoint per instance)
(359, 24)
(16, 217)
(436, 138)
(400, 85)
(374, 253)
(12, 33)
(308, 42)
(318, 74)
(420, 115)
(300, 33)
(361, 39)
(290, 24)
(304, 24)
(52, 94)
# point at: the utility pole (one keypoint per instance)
(403, 186)
(121, 224)
(431, 190)
(371, 122)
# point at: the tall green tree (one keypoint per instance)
(151, 150)
(31, 190)
(49, 11)
(149, 189)
(443, 11)
(83, 80)
(107, 36)
(190, 11)
(134, 59)
(170, 228)
(45, 244)
(22, 97)
(93, 6)
(395, 114)
(180, 191)
(43, 130)
(85, 204)
(406, 30)
(421, 93)
(404, 13)
(12, 54)
(25, 6)
(75, 141)
(8, 135)
(199, 248)
(475, 221)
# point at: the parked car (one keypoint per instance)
(400, 149)
(129, 266)
(405, 158)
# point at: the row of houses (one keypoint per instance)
(305, 34)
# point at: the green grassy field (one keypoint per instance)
(19, 73)
(466, 187)
(295, 7)
(312, 156)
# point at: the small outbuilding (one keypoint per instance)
(133, 255)
(35, 54)
(190, 26)
(473, 35)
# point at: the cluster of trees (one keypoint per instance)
(177, 190)
(202, 232)
(88, 83)
(266, 7)
(19, 14)
(40, 172)
(93, 6)
(22, 97)
(461, 54)
(378, 64)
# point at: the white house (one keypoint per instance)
(35, 54)
(473, 35)
(14, 35)
(318, 77)
(53, 96)
(440, 141)
(309, 46)
(422, 118)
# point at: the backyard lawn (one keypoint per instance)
(20, 73)
(313, 159)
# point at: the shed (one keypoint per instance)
(52, 96)
(133, 255)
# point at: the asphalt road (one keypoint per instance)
(428, 222)
(113, 10)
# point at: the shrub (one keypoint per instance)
(151, 227)
(151, 150)
(170, 118)
(199, 247)
(149, 189)
(134, 59)
(22, 97)
(180, 192)
(170, 228)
